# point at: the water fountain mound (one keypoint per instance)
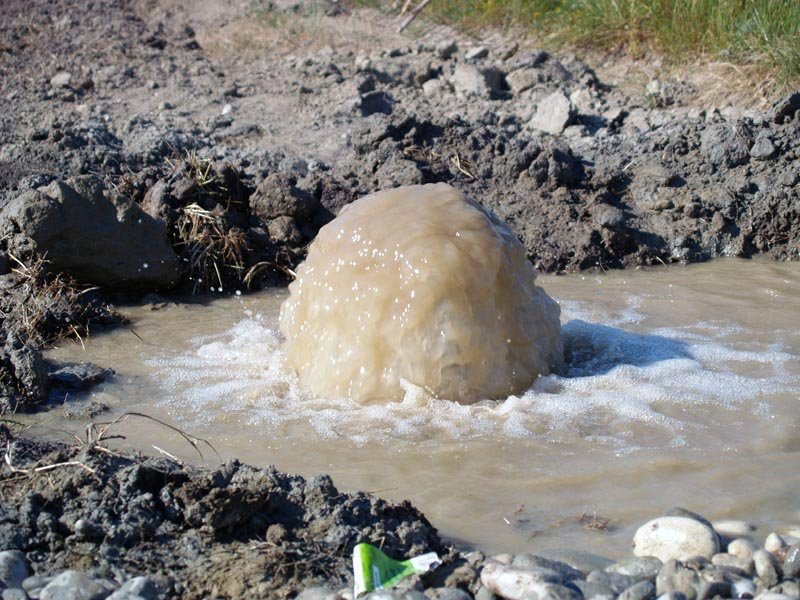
(422, 284)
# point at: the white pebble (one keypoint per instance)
(774, 542)
(733, 529)
(669, 538)
(742, 547)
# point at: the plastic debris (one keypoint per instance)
(373, 570)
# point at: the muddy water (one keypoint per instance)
(683, 388)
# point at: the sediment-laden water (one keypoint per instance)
(682, 387)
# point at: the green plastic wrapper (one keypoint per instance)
(373, 570)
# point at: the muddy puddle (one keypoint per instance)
(683, 388)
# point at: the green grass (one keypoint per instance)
(759, 33)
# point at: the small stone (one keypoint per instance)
(742, 547)
(791, 564)
(675, 577)
(14, 594)
(165, 105)
(227, 109)
(763, 149)
(78, 376)
(553, 114)
(469, 82)
(644, 590)
(733, 529)
(317, 592)
(672, 596)
(675, 538)
(476, 53)
(789, 178)
(446, 593)
(34, 583)
(138, 588)
(61, 79)
(785, 108)
(532, 562)
(435, 87)
(646, 567)
(74, 585)
(446, 49)
(484, 594)
(518, 584)
(585, 562)
(607, 216)
(617, 582)
(520, 80)
(595, 591)
(743, 588)
(507, 51)
(774, 542)
(725, 144)
(766, 567)
(710, 589)
(729, 560)
(13, 569)
(789, 587)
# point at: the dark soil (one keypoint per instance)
(231, 532)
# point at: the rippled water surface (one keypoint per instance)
(683, 387)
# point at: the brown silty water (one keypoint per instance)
(682, 387)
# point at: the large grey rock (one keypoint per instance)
(71, 585)
(13, 569)
(518, 584)
(553, 114)
(96, 237)
(669, 538)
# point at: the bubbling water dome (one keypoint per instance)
(419, 284)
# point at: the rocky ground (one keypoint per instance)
(83, 521)
(194, 147)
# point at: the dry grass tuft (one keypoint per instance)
(213, 253)
(52, 307)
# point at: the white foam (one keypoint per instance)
(624, 389)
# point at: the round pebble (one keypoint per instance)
(774, 542)
(742, 547)
(13, 569)
(675, 538)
